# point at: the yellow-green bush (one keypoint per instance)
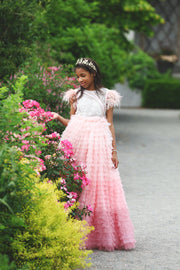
(51, 240)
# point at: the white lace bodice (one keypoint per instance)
(93, 103)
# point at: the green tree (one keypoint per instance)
(62, 31)
(20, 25)
(97, 29)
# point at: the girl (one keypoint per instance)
(91, 132)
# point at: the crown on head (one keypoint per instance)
(86, 62)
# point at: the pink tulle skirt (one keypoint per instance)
(92, 144)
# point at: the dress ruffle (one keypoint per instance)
(92, 145)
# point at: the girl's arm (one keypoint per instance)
(61, 119)
(109, 117)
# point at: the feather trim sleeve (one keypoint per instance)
(113, 99)
(71, 93)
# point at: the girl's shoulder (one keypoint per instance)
(112, 98)
(70, 94)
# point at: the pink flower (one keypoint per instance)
(64, 188)
(67, 148)
(53, 68)
(53, 135)
(49, 90)
(89, 208)
(25, 147)
(47, 156)
(66, 143)
(66, 205)
(38, 152)
(49, 182)
(73, 195)
(76, 176)
(63, 181)
(25, 142)
(85, 181)
(74, 166)
(30, 103)
(42, 166)
(73, 200)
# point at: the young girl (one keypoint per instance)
(91, 132)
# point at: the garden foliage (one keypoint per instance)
(50, 240)
(46, 86)
(32, 213)
(139, 68)
(19, 20)
(61, 31)
(162, 93)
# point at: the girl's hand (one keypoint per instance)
(61, 119)
(72, 99)
(115, 159)
(55, 116)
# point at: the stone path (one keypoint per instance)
(148, 144)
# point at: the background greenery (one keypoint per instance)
(60, 31)
(162, 93)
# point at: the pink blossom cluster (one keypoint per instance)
(26, 139)
(52, 78)
(35, 112)
(28, 104)
(62, 149)
(40, 163)
(52, 74)
(67, 148)
(72, 196)
(53, 138)
(85, 181)
(72, 82)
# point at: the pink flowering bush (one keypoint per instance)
(47, 85)
(27, 210)
(27, 135)
(61, 168)
(53, 160)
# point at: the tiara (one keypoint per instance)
(86, 63)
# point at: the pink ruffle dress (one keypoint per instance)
(89, 133)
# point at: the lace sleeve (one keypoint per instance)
(113, 99)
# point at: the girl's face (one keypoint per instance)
(85, 79)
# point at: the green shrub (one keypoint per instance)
(35, 229)
(5, 264)
(16, 187)
(50, 240)
(140, 67)
(162, 93)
